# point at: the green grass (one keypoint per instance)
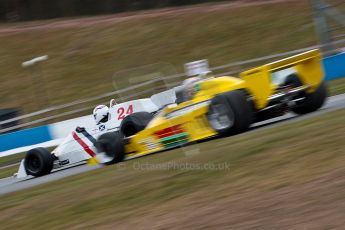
(10, 164)
(260, 162)
(336, 86)
(82, 60)
(8, 171)
(12, 159)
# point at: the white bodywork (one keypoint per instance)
(79, 146)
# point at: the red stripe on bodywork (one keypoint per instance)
(169, 131)
(83, 144)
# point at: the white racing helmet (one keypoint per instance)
(100, 114)
(191, 81)
(188, 87)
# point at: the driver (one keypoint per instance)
(101, 114)
(188, 87)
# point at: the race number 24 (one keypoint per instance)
(123, 112)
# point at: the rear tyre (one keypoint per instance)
(38, 162)
(134, 123)
(230, 113)
(313, 101)
(293, 80)
(113, 145)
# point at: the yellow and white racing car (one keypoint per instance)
(207, 107)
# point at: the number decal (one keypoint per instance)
(130, 109)
(122, 114)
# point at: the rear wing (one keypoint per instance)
(262, 81)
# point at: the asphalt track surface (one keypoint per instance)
(12, 184)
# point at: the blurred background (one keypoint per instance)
(89, 41)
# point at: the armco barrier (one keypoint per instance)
(334, 68)
(25, 137)
(12, 143)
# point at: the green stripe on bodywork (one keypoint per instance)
(172, 137)
(174, 140)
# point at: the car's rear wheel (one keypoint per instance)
(293, 81)
(134, 123)
(312, 101)
(112, 146)
(38, 162)
(230, 113)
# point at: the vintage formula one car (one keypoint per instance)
(207, 107)
(79, 145)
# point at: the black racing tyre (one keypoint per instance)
(230, 113)
(293, 80)
(38, 162)
(312, 101)
(134, 123)
(113, 145)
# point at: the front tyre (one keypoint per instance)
(230, 113)
(113, 145)
(312, 101)
(38, 162)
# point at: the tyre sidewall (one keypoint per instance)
(313, 101)
(236, 103)
(113, 145)
(45, 159)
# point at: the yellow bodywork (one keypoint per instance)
(187, 122)
(306, 65)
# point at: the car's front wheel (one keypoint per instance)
(230, 113)
(38, 162)
(112, 145)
